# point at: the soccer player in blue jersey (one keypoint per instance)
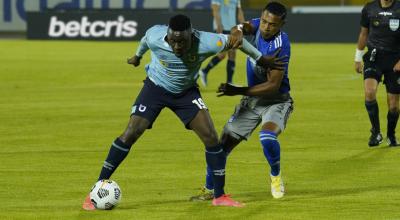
(177, 52)
(266, 99)
(225, 13)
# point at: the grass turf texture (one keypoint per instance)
(63, 103)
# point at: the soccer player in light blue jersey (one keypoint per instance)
(266, 100)
(226, 13)
(177, 52)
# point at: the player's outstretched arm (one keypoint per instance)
(269, 88)
(274, 61)
(140, 51)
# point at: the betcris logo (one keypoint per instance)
(85, 28)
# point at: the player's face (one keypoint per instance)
(180, 41)
(270, 24)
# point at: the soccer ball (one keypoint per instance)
(105, 194)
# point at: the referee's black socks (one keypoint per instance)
(373, 113)
(392, 118)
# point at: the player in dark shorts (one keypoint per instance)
(177, 52)
(380, 32)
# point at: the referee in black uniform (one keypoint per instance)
(380, 32)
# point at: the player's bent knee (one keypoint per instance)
(370, 94)
(210, 138)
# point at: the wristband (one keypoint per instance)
(359, 55)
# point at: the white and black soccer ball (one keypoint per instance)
(105, 194)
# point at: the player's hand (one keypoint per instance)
(230, 90)
(273, 62)
(358, 66)
(236, 39)
(396, 67)
(135, 61)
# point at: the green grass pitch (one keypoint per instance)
(63, 103)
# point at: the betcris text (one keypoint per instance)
(85, 28)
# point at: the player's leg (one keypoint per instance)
(119, 150)
(392, 118)
(391, 81)
(193, 112)
(213, 62)
(207, 191)
(239, 127)
(145, 110)
(371, 81)
(230, 66)
(121, 146)
(274, 121)
(371, 105)
(203, 126)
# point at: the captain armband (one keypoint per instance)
(359, 55)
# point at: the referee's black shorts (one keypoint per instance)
(383, 66)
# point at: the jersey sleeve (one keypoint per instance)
(143, 45)
(213, 43)
(255, 22)
(285, 51)
(364, 17)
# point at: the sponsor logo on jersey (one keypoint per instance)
(394, 24)
(219, 43)
(386, 13)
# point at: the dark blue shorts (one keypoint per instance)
(383, 66)
(152, 99)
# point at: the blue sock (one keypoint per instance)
(214, 61)
(230, 69)
(118, 151)
(272, 150)
(216, 160)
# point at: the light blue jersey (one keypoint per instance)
(173, 73)
(256, 74)
(228, 13)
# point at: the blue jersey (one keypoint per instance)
(177, 74)
(228, 12)
(257, 74)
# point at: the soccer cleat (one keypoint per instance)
(277, 188)
(375, 139)
(204, 194)
(392, 141)
(226, 200)
(203, 78)
(87, 204)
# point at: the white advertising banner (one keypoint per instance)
(13, 12)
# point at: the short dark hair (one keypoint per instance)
(276, 8)
(180, 23)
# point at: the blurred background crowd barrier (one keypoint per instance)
(308, 20)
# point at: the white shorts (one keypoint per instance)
(251, 111)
